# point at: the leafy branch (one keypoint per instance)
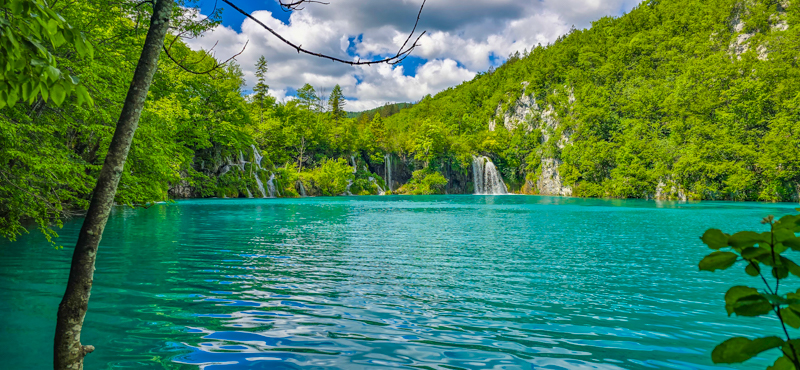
(760, 251)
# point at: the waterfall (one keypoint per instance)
(347, 189)
(249, 194)
(353, 159)
(271, 185)
(257, 156)
(388, 161)
(380, 189)
(302, 188)
(486, 178)
(261, 186)
(224, 170)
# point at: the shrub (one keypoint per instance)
(332, 176)
(764, 257)
(424, 182)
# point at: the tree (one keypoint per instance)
(337, 103)
(68, 352)
(30, 70)
(261, 89)
(308, 98)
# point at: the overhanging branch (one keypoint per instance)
(401, 54)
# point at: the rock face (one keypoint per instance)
(181, 190)
(527, 111)
(549, 182)
(668, 190)
(741, 42)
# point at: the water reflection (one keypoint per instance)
(507, 282)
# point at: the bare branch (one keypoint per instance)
(295, 5)
(215, 67)
(397, 58)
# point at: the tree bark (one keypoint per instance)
(68, 352)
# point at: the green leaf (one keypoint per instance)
(783, 234)
(793, 267)
(83, 95)
(751, 306)
(746, 301)
(718, 261)
(58, 94)
(782, 363)
(735, 293)
(715, 239)
(751, 253)
(752, 269)
(741, 349)
(790, 317)
(744, 239)
(788, 222)
(75, 80)
(792, 243)
(780, 272)
(53, 73)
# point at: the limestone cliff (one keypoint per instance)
(527, 111)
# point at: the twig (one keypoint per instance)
(397, 58)
(217, 66)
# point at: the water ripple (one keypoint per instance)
(456, 282)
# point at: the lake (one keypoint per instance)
(439, 282)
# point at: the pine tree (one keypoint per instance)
(378, 129)
(261, 89)
(337, 103)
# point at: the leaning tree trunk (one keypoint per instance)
(68, 350)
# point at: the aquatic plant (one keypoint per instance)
(763, 254)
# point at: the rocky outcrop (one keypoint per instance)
(527, 111)
(181, 190)
(741, 43)
(549, 182)
(669, 190)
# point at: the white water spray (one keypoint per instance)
(380, 189)
(388, 162)
(486, 178)
(271, 185)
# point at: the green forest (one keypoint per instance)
(678, 99)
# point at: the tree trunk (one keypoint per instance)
(68, 352)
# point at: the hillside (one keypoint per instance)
(680, 99)
(385, 111)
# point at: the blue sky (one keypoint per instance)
(463, 38)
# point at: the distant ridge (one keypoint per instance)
(387, 110)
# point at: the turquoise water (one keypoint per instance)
(444, 282)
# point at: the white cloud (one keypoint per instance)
(460, 40)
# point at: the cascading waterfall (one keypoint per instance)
(261, 186)
(380, 189)
(302, 188)
(249, 194)
(241, 161)
(486, 178)
(271, 185)
(388, 161)
(353, 159)
(258, 158)
(347, 189)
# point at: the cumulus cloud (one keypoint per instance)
(463, 37)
